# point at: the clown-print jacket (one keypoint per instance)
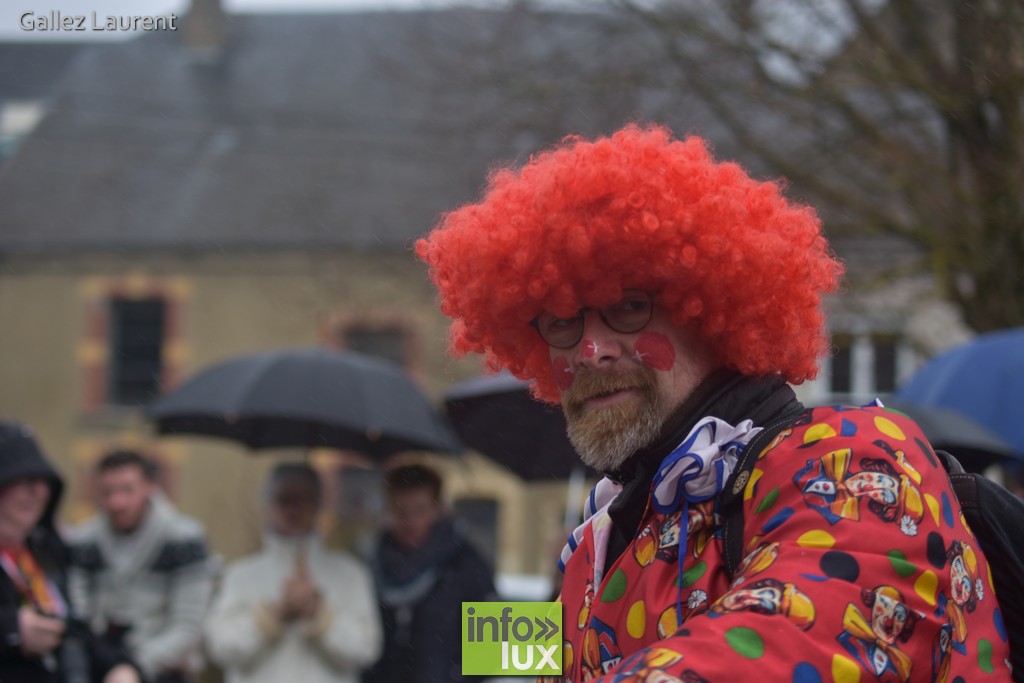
(859, 566)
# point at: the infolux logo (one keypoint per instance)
(511, 638)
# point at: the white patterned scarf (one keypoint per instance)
(696, 470)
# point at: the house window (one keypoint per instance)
(136, 350)
(864, 366)
(384, 341)
(841, 379)
(885, 348)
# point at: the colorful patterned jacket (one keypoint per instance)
(860, 567)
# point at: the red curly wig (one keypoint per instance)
(586, 219)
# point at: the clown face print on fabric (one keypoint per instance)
(648, 667)
(941, 654)
(618, 389)
(830, 487)
(645, 546)
(769, 596)
(966, 591)
(673, 616)
(588, 599)
(963, 574)
(874, 640)
(601, 652)
(658, 540)
(756, 562)
(668, 538)
(701, 526)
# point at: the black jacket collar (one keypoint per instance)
(726, 395)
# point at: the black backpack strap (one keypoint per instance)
(731, 503)
(964, 483)
(949, 461)
(995, 517)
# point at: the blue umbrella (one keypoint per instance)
(976, 447)
(983, 379)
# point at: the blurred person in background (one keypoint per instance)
(40, 641)
(295, 611)
(141, 574)
(424, 568)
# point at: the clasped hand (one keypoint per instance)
(300, 597)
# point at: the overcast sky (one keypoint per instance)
(12, 11)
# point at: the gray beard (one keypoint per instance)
(606, 438)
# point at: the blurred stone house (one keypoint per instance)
(255, 182)
(182, 199)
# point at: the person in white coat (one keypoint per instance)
(295, 611)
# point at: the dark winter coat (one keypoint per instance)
(20, 457)
(420, 593)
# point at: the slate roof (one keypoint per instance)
(29, 71)
(292, 141)
(334, 130)
(316, 130)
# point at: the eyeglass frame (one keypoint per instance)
(581, 313)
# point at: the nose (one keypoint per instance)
(38, 488)
(600, 346)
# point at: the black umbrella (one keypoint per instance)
(307, 398)
(496, 415)
(975, 446)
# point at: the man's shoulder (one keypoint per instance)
(845, 440)
(826, 446)
(469, 561)
(88, 530)
(83, 540)
(176, 553)
(183, 541)
(184, 527)
(868, 424)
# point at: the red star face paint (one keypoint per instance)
(563, 373)
(655, 349)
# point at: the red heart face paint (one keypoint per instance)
(563, 373)
(655, 349)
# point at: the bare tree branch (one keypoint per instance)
(894, 117)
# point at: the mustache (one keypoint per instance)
(590, 384)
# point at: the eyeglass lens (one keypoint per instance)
(630, 314)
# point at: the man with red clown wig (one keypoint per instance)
(665, 299)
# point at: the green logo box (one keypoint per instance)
(511, 638)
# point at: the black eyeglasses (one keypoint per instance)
(629, 314)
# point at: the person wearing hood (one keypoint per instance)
(40, 640)
(424, 568)
(295, 611)
(141, 573)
